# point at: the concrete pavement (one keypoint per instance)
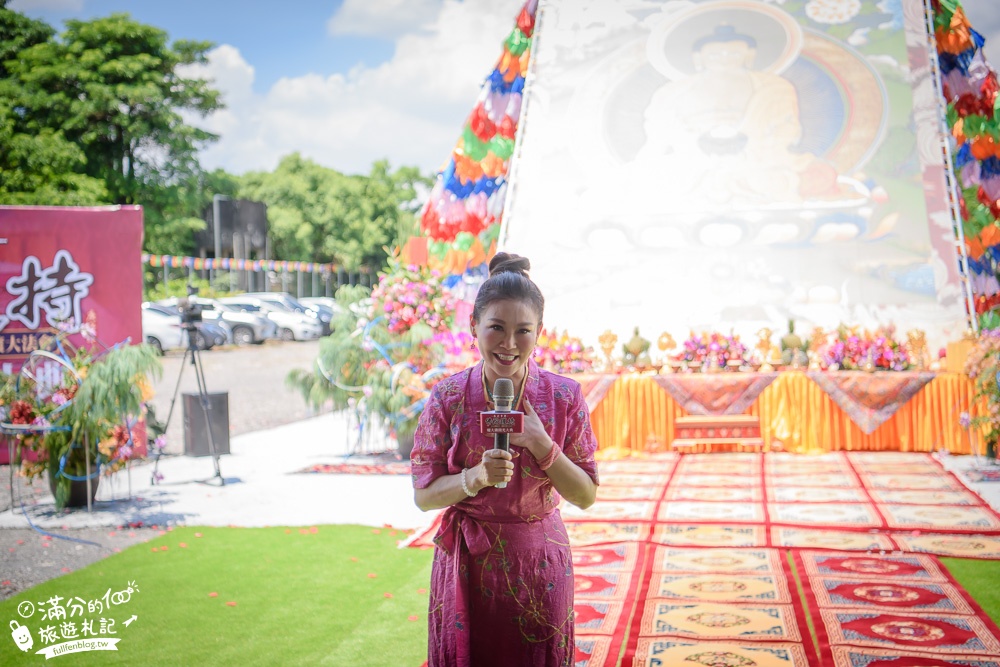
(262, 487)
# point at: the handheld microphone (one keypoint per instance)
(502, 421)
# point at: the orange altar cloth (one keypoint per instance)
(637, 415)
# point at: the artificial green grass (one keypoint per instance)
(302, 598)
(979, 578)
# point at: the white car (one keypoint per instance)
(291, 325)
(327, 301)
(162, 331)
(286, 301)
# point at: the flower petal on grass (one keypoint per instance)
(230, 604)
(387, 595)
(183, 545)
(413, 617)
(213, 594)
(372, 575)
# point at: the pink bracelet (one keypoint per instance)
(551, 457)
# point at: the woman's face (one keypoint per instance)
(506, 334)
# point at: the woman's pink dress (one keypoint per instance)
(502, 579)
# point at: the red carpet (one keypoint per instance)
(389, 468)
(686, 560)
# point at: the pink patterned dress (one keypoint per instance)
(502, 578)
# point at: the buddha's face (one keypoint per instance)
(725, 56)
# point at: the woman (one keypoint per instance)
(502, 579)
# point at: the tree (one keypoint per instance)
(113, 86)
(38, 165)
(318, 214)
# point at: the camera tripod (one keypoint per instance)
(193, 350)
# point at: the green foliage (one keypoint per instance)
(177, 287)
(109, 393)
(321, 215)
(112, 85)
(38, 165)
(350, 368)
(95, 116)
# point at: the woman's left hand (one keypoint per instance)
(534, 438)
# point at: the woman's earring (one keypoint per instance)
(472, 345)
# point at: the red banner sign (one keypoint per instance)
(59, 265)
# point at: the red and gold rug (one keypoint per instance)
(727, 559)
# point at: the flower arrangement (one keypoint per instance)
(562, 353)
(853, 349)
(72, 404)
(983, 366)
(706, 348)
(411, 294)
(384, 361)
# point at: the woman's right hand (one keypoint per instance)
(495, 467)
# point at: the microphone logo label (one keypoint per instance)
(491, 423)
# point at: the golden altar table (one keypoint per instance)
(633, 413)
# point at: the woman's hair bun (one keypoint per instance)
(505, 262)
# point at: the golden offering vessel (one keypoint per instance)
(607, 341)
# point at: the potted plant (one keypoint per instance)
(73, 409)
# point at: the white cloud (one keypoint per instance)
(32, 6)
(382, 18)
(409, 109)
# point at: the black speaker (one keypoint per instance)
(195, 427)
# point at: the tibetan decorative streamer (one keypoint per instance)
(226, 264)
(463, 212)
(970, 88)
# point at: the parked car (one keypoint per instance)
(327, 301)
(207, 334)
(289, 302)
(291, 325)
(245, 328)
(162, 330)
(326, 305)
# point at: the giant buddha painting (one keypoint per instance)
(772, 158)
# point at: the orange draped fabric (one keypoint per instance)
(636, 415)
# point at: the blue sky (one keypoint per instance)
(346, 82)
(279, 44)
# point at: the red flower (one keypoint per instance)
(21, 412)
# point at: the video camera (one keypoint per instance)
(190, 312)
